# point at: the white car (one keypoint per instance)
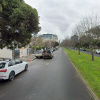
(8, 69)
(39, 54)
(97, 51)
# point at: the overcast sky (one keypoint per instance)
(60, 16)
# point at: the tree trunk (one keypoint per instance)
(79, 51)
(92, 53)
(74, 50)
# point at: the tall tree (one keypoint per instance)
(17, 22)
(90, 28)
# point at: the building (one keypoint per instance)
(49, 37)
(74, 38)
(17, 53)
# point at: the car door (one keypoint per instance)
(18, 65)
(22, 65)
(13, 67)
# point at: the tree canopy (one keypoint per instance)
(17, 22)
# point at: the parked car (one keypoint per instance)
(51, 49)
(97, 51)
(54, 49)
(39, 54)
(8, 69)
(48, 54)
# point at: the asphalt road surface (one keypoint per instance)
(49, 79)
(87, 52)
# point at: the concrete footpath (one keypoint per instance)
(30, 59)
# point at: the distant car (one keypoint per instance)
(84, 49)
(48, 54)
(97, 51)
(81, 48)
(39, 54)
(54, 49)
(8, 69)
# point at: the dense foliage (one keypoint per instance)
(17, 22)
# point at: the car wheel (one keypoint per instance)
(26, 67)
(11, 76)
(51, 57)
(43, 57)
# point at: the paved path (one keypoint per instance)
(49, 79)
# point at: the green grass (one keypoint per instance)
(90, 70)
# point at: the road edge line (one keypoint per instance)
(83, 80)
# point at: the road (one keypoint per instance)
(87, 52)
(97, 55)
(49, 79)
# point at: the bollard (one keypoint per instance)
(30, 59)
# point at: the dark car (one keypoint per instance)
(84, 49)
(47, 54)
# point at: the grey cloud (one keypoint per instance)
(60, 16)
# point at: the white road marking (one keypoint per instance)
(47, 64)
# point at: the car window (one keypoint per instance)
(2, 65)
(40, 51)
(21, 61)
(44, 51)
(11, 63)
(17, 61)
(49, 52)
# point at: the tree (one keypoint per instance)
(67, 43)
(47, 44)
(56, 44)
(90, 29)
(38, 41)
(17, 22)
(78, 31)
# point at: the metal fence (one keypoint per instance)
(31, 51)
(16, 53)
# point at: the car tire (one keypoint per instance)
(11, 76)
(51, 57)
(43, 57)
(26, 67)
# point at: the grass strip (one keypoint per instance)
(90, 70)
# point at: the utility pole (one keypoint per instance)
(28, 52)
